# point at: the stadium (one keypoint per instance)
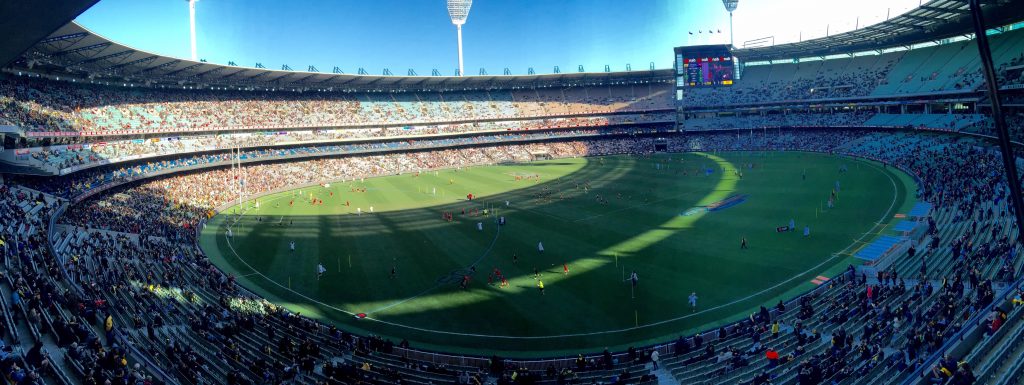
(843, 209)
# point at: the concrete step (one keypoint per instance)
(664, 376)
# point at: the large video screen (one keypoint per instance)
(703, 66)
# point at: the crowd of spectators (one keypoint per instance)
(1011, 72)
(772, 87)
(60, 322)
(128, 279)
(103, 177)
(948, 67)
(925, 316)
(214, 188)
(50, 105)
(775, 120)
(142, 239)
(111, 151)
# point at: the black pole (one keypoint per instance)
(997, 115)
(1004, 146)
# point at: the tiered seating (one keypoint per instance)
(995, 357)
(104, 176)
(48, 327)
(942, 68)
(791, 119)
(55, 106)
(952, 122)
(196, 326)
(73, 157)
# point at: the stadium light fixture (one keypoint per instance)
(192, 26)
(458, 10)
(730, 5)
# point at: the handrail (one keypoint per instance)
(919, 373)
(151, 366)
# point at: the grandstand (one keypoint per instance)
(114, 161)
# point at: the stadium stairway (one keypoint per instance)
(697, 370)
(996, 357)
(241, 348)
(699, 373)
(664, 376)
(16, 318)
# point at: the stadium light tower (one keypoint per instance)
(458, 10)
(192, 27)
(730, 5)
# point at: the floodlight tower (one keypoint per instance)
(458, 10)
(192, 26)
(730, 5)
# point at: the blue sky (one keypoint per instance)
(417, 34)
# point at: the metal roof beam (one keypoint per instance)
(299, 80)
(82, 49)
(55, 39)
(350, 80)
(261, 74)
(919, 17)
(133, 62)
(175, 72)
(225, 77)
(944, 10)
(213, 71)
(106, 57)
(279, 78)
(898, 21)
(159, 66)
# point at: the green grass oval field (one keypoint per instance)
(642, 227)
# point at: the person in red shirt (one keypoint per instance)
(772, 356)
(996, 323)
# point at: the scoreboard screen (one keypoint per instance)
(703, 66)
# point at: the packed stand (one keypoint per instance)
(856, 328)
(45, 105)
(63, 157)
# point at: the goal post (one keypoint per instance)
(540, 155)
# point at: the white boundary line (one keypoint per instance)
(614, 331)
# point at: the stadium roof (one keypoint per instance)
(931, 21)
(26, 22)
(74, 51)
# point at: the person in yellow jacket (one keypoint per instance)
(108, 328)
(540, 285)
